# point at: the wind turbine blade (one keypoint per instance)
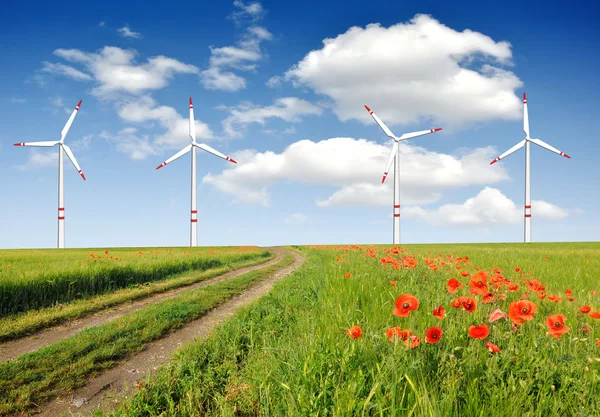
(544, 145)
(174, 157)
(420, 133)
(43, 144)
(380, 123)
(390, 160)
(511, 150)
(192, 124)
(214, 152)
(65, 130)
(525, 115)
(73, 160)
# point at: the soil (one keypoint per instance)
(15, 348)
(117, 384)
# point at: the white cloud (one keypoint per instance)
(61, 69)
(412, 71)
(59, 104)
(489, 207)
(115, 70)
(289, 109)
(40, 159)
(102, 24)
(295, 218)
(128, 141)
(128, 33)
(246, 12)
(242, 57)
(83, 143)
(145, 109)
(355, 167)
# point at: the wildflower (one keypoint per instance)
(106, 252)
(354, 332)
(497, 314)
(479, 332)
(521, 311)
(412, 342)
(593, 292)
(478, 283)
(585, 309)
(535, 286)
(556, 325)
(554, 298)
(393, 283)
(467, 303)
(439, 313)
(464, 274)
(488, 298)
(595, 314)
(453, 285)
(492, 347)
(433, 334)
(405, 304)
(517, 270)
(348, 275)
(586, 329)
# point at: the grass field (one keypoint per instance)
(58, 369)
(33, 279)
(297, 350)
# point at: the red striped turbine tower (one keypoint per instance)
(525, 142)
(61, 193)
(395, 157)
(192, 147)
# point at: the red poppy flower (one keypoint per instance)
(595, 314)
(453, 285)
(593, 292)
(464, 274)
(479, 332)
(492, 347)
(597, 342)
(439, 313)
(488, 298)
(542, 295)
(554, 298)
(433, 334)
(354, 332)
(535, 285)
(393, 283)
(478, 283)
(412, 342)
(497, 314)
(585, 309)
(348, 275)
(517, 270)
(556, 325)
(405, 304)
(521, 311)
(467, 303)
(512, 287)
(398, 332)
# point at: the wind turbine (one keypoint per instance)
(61, 193)
(395, 157)
(527, 176)
(192, 147)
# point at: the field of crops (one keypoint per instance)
(33, 279)
(422, 330)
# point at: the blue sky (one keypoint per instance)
(289, 108)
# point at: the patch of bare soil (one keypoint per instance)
(111, 388)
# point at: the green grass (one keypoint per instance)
(289, 355)
(33, 279)
(19, 325)
(60, 368)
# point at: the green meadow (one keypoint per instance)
(291, 353)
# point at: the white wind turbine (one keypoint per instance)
(192, 147)
(395, 157)
(527, 176)
(61, 194)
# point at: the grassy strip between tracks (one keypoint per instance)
(16, 326)
(290, 354)
(66, 365)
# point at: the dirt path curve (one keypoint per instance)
(15, 348)
(110, 388)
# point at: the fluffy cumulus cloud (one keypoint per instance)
(41, 158)
(115, 70)
(489, 207)
(412, 71)
(137, 146)
(354, 168)
(244, 56)
(289, 109)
